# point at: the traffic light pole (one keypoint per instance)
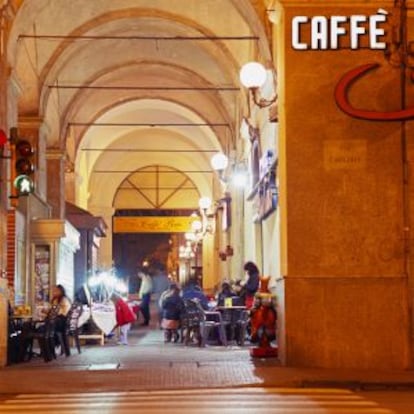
(14, 197)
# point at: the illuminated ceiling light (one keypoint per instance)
(239, 178)
(253, 75)
(190, 236)
(219, 161)
(196, 226)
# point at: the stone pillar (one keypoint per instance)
(210, 263)
(56, 182)
(105, 257)
(3, 321)
(343, 299)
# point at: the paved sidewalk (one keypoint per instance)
(149, 364)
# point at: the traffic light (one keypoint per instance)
(24, 155)
(21, 167)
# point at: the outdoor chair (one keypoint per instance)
(236, 321)
(213, 321)
(45, 336)
(190, 322)
(44, 333)
(199, 324)
(71, 329)
(242, 321)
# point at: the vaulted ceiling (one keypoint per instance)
(147, 62)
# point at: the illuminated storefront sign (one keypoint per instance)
(152, 224)
(348, 32)
(326, 33)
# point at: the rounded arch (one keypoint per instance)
(157, 187)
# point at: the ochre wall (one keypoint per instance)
(345, 282)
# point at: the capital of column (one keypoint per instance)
(30, 122)
(55, 154)
(36, 125)
(104, 211)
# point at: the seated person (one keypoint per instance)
(226, 292)
(172, 308)
(194, 291)
(62, 302)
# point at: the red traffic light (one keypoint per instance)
(24, 151)
(24, 148)
(3, 138)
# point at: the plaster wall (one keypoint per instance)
(344, 270)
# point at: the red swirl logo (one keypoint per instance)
(341, 98)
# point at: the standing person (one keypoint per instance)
(251, 285)
(145, 296)
(124, 318)
(160, 285)
(172, 308)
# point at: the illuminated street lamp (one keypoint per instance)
(253, 75)
(196, 226)
(204, 203)
(239, 177)
(219, 161)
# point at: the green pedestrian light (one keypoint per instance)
(24, 185)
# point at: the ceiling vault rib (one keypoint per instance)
(175, 191)
(157, 184)
(141, 193)
(152, 172)
(154, 188)
(146, 150)
(166, 38)
(148, 88)
(150, 124)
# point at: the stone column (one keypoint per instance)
(3, 321)
(56, 182)
(210, 263)
(343, 296)
(105, 258)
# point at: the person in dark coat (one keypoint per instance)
(194, 291)
(251, 285)
(226, 292)
(172, 308)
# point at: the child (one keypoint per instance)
(172, 307)
(124, 318)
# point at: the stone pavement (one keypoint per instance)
(149, 364)
(213, 401)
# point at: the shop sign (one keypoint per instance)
(326, 33)
(329, 33)
(152, 224)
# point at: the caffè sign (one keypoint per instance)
(327, 33)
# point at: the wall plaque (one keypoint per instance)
(345, 155)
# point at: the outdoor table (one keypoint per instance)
(231, 316)
(103, 315)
